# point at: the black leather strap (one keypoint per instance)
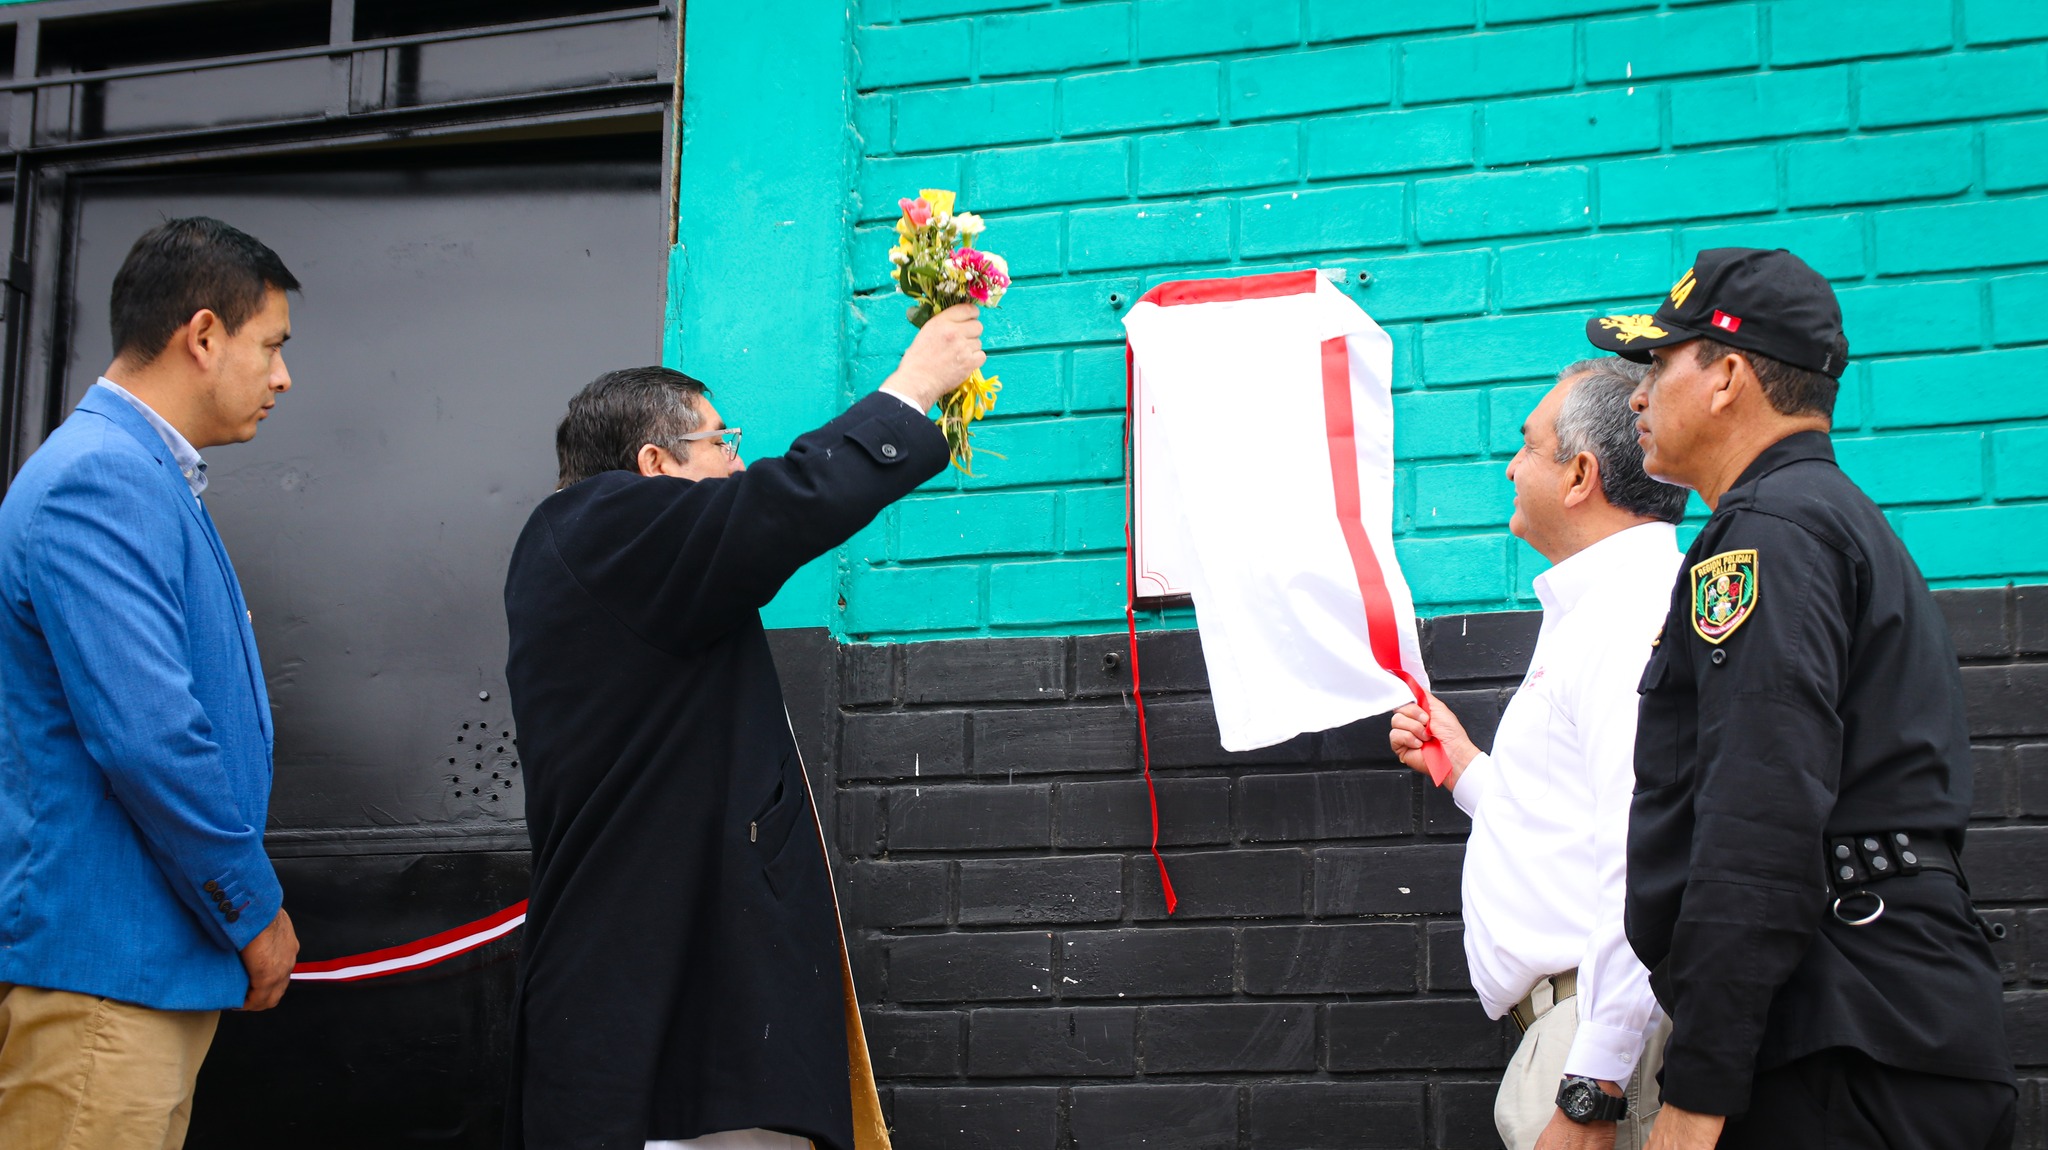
(1857, 860)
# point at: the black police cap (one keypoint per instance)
(1767, 302)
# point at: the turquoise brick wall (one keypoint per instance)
(1500, 169)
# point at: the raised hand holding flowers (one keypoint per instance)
(937, 264)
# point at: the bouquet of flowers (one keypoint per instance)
(937, 264)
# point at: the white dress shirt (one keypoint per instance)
(1546, 866)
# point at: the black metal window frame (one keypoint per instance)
(38, 183)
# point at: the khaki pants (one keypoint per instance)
(1528, 1091)
(84, 1073)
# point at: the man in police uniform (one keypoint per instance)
(1802, 760)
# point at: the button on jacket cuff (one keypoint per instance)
(1605, 1052)
(1473, 783)
(891, 431)
(252, 903)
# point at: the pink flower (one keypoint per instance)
(917, 211)
(975, 264)
(983, 275)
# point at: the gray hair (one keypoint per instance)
(1595, 418)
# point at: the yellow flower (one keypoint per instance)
(940, 200)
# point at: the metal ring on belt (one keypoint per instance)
(1867, 919)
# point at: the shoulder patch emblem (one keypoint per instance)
(1723, 594)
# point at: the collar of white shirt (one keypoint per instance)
(183, 453)
(1562, 587)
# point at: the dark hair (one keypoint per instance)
(609, 420)
(181, 266)
(1791, 390)
(1595, 417)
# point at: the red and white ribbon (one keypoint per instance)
(414, 955)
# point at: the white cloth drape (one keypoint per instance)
(737, 1140)
(1242, 415)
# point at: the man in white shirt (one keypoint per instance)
(1545, 868)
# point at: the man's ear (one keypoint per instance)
(1733, 379)
(1584, 473)
(650, 458)
(203, 336)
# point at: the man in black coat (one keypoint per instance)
(1802, 760)
(681, 973)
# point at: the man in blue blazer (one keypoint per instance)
(136, 901)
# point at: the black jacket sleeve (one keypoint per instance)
(681, 561)
(1769, 765)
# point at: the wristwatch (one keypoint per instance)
(1583, 1101)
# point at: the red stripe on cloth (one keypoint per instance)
(1228, 290)
(1131, 620)
(481, 927)
(1380, 627)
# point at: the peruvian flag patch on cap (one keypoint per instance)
(1727, 322)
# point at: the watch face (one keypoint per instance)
(1576, 1100)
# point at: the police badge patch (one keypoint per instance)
(1723, 594)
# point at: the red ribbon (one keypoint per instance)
(1380, 628)
(1131, 620)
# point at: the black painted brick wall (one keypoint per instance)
(1025, 990)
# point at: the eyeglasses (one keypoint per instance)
(728, 439)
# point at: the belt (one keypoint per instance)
(1858, 859)
(1556, 988)
(1856, 862)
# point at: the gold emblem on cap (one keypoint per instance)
(1629, 328)
(1682, 289)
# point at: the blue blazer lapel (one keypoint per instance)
(100, 401)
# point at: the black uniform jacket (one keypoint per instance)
(680, 972)
(1832, 706)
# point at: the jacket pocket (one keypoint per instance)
(1663, 723)
(779, 831)
(1655, 670)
